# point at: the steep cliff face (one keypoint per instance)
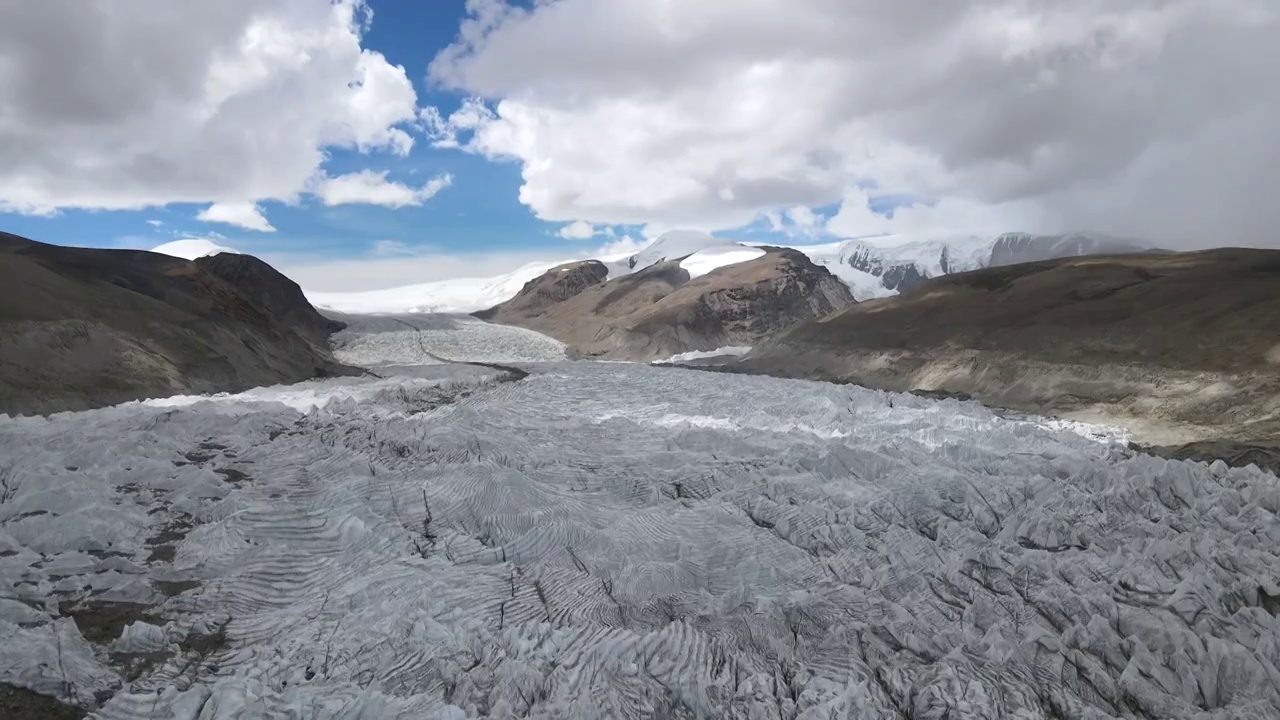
(660, 311)
(83, 328)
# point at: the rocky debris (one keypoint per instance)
(83, 328)
(661, 311)
(1176, 347)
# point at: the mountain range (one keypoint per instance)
(869, 267)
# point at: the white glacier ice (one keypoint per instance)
(192, 248)
(455, 295)
(619, 540)
(727, 351)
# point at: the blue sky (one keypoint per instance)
(480, 210)
(314, 139)
(479, 214)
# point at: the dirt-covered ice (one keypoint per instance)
(614, 540)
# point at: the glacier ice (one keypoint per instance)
(616, 540)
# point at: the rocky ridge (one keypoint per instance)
(82, 328)
(660, 311)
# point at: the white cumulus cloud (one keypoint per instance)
(241, 214)
(370, 187)
(579, 230)
(164, 102)
(1151, 117)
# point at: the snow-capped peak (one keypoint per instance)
(699, 252)
(677, 244)
(192, 248)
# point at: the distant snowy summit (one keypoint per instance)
(671, 302)
(882, 266)
(698, 253)
(869, 267)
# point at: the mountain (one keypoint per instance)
(1014, 248)
(664, 309)
(869, 267)
(883, 266)
(554, 286)
(269, 288)
(702, 253)
(1176, 346)
(83, 328)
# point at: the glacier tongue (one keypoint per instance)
(611, 540)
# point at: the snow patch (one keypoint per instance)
(458, 295)
(192, 248)
(701, 263)
(727, 351)
(678, 244)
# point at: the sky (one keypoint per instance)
(359, 145)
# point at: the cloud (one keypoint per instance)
(625, 245)
(578, 230)
(241, 214)
(798, 220)
(370, 187)
(156, 223)
(187, 102)
(1150, 117)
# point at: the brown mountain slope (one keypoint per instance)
(1178, 347)
(270, 289)
(660, 311)
(83, 328)
(554, 286)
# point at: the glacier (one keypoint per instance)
(618, 540)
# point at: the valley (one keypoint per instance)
(610, 539)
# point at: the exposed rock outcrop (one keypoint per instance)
(1177, 347)
(554, 286)
(660, 311)
(82, 328)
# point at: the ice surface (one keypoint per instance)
(192, 248)
(619, 540)
(729, 350)
(437, 338)
(456, 295)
